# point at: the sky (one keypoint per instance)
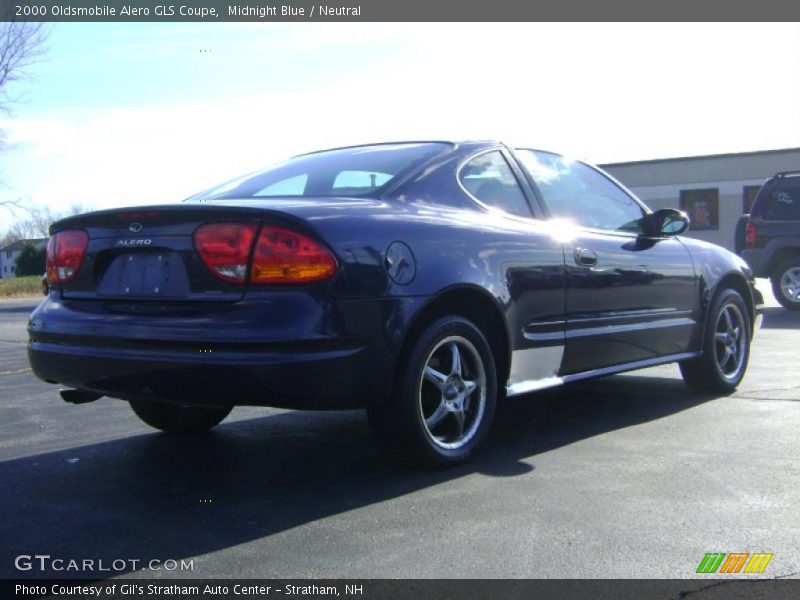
(131, 114)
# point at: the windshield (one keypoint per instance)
(360, 171)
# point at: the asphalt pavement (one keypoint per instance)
(628, 476)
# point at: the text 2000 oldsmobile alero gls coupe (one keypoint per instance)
(422, 281)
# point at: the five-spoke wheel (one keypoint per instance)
(443, 400)
(452, 393)
(726, 347)
(729, 346)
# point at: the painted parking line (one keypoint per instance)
(15, 372)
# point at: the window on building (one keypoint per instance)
(702, 206)
(488, 178)
(749, 193)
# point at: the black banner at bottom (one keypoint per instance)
(367, 589)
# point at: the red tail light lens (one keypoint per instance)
(225, 249)
(284, 256)
(750, 234)
(65, 252)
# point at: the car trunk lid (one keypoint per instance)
(146, 254)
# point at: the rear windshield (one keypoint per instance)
(783, 200)
(362, 171)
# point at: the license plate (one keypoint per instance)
(145, 275)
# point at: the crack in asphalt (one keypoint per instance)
(780, 389)
(688, 593)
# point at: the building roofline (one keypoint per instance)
(699, 157)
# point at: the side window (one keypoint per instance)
(575, 191)
(292, 186)
(489, 179)
(783, 201)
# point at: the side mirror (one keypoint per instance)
(668, 222)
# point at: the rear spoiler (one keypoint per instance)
(786, 174)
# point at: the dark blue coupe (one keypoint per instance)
(423, 281)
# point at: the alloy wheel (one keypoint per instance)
(790, 284)
(730, 339)
(452, 392)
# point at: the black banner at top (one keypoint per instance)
(211, 11)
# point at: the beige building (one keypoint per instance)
(715, 190)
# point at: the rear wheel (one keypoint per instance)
(786, 283)
(174, 418)
(444, 398)
(726, 347)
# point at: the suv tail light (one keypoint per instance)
(750, 234)
(284, 256)
(225, 249)
(65, 252)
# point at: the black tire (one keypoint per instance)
(783, 274)
(712, 372)
(435, 416)
(175, 418)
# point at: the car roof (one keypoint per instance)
(453, 143)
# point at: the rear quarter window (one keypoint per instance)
(782, 201)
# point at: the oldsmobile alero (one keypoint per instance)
(422, 281)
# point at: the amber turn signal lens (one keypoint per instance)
(284, 256)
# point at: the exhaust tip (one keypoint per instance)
(79, 396)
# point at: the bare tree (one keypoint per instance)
(21, 46)
(37, 223)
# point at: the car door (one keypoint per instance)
(531, 264)
(629, 298)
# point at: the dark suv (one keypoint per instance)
(772, 237)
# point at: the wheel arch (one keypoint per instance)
(736, 281)
(471, 302)
(786, 249)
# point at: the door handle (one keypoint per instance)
(585, 257)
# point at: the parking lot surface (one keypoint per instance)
(628, 476)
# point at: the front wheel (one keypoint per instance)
(786, 283)
(174, 418)
(444, 398)
(726, 347)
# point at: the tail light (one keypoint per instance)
(65, 252)
(225, 249)
(278, 255)
(750, 233)
(284, 256)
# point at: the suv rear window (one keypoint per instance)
(359, 171)
(782, 202)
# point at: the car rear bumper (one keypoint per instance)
(238, 357)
